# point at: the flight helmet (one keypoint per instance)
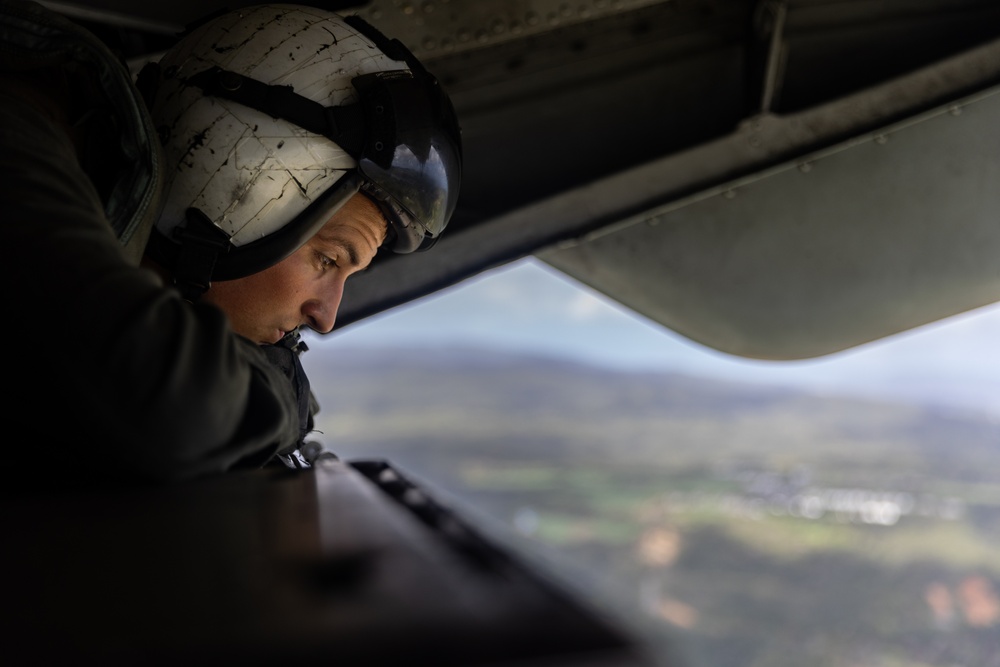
(272, 117)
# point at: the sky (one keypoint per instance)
(529, 307)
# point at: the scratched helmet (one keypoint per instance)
(271, 117)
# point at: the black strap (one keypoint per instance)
(345, 125)
(392, 48)
(200, 245)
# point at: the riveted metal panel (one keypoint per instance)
(885, 232)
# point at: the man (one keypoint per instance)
(279, 178)
(305, 288)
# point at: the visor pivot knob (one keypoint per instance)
(230, 81)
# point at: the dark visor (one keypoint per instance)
(412, 156)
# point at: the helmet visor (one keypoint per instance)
(412, 160)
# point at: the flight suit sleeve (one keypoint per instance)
(118, 372)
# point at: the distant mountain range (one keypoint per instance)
(448, 403)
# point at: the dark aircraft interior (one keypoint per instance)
(774, 179)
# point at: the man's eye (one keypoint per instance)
(327, 262)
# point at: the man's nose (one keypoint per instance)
(321, 312)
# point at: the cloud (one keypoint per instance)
(586, 307)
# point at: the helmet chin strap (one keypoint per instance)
(200, 245)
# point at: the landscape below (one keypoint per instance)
(727, 525)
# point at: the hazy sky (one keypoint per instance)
(526, 306)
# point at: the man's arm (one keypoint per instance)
(123, 376)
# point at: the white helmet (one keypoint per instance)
(271, 117)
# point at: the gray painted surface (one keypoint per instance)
(880, 234)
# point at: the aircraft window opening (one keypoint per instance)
(730, 512)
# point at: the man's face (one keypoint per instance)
(305, 288)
